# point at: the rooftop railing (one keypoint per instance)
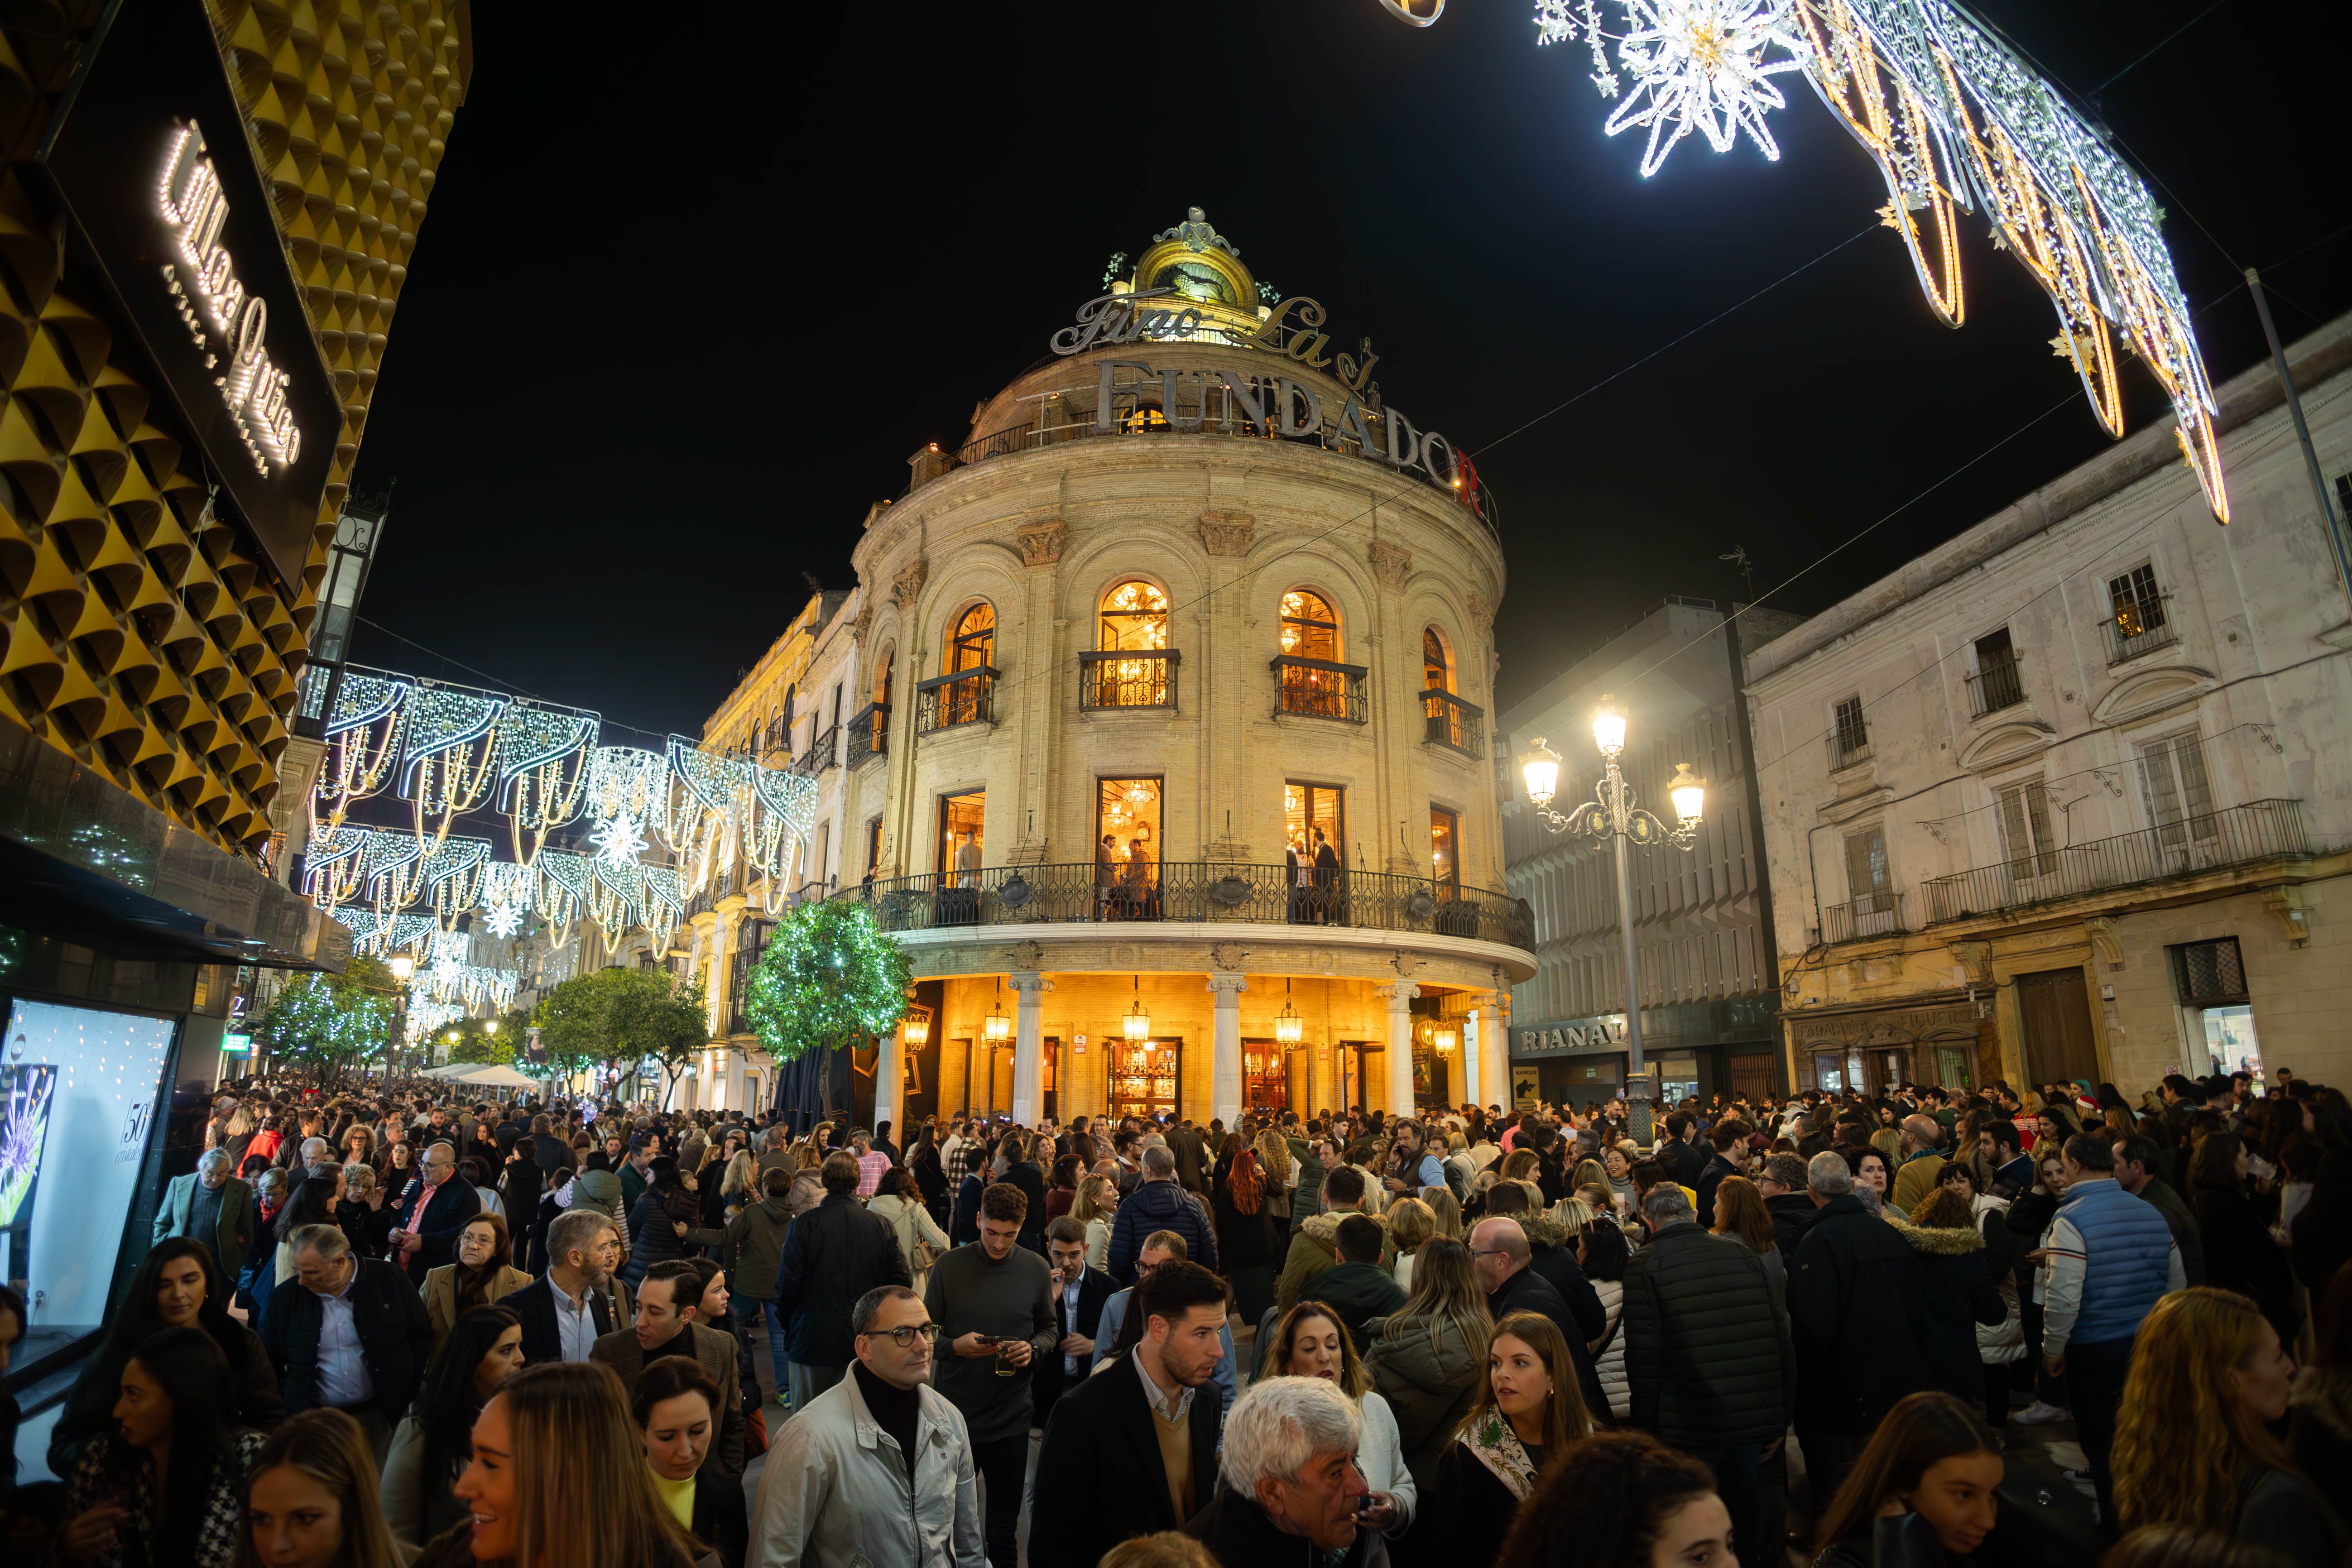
(2210, 841)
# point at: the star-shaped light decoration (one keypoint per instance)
(1705, 65)
(503, 919)
(618, 839)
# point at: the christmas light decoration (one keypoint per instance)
(1953, 118)
(363, 740)
(508, 890)
(618, 840)
(448, 759)
(542, 770)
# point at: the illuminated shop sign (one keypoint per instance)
(151, 163)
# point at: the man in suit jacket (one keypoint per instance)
(1190, 1147)
(428, 1237)
(580, 1298)
(1080, 1293)
(211, 1206)
(347, 1332)
(667, 1303)
(1134, 1451)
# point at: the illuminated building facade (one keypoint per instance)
(1170, 769)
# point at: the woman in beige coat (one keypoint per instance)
(478, 1278)
(900, 1206)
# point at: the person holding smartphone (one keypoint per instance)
(993, 1300)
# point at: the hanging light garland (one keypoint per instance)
(1953, 118)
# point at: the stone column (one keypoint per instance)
(1487, 1051)
(1028, 1044)
(1399, 1052)
(1474, 1040)
(887, 1078)
(1225, 1070)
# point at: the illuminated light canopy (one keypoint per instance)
(1956, 122)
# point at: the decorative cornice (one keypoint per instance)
(1482, 614)
(1228, 532)
(1391, 564)
(907, 585)
(1042, 542)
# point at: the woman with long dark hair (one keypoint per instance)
(2193, 1445)
(1621, 1499)
(432, 1444)
(311, 1500)
(666, 1222)
(166, 1484)
(2239, 1252)
(177, 1285)
(923, 1159)
(1311, 1342)
(1932, 1457)
(313, 1203)
(1527, 1409)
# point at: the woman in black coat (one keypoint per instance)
(2240, 1254)
(924, 1161)
(1958, 1288)
(162, 1295)
(1246, 1237)
(666, 1222)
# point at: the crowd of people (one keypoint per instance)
(384, 1330)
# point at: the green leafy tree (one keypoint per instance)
(477, 1044)
(325, 1023)
(830, 978)
(616, 1018)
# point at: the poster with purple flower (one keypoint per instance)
(30, 1088)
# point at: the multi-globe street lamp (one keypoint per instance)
(1613, 814)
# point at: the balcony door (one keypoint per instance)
(2178, 798)
(2054, 1007)
(962, 818)
(1127, 847)
(1315, 831)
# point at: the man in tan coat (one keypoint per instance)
(667, 1304)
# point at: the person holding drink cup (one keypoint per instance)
(993, 1300)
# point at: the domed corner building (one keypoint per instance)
(1175, 782)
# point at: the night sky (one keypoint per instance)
(687, 297)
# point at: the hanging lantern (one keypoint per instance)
(1446, 1036)
(1138, 1023)
(917, 1028)
(998, 1027)
(1290, 1029)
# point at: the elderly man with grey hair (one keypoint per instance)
(212, 1205)
(433, 1210)
(1288, 1476)
(1707, 1355)
(1855, 1294)
(347, 1332)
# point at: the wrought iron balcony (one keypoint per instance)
(1319, 688)
(869, 733)
(2210, 841)
(824, 752)
(950, 701)
(1138, 678)
(1447, 720)
(1859, 920)
(1994, 688)
(1193, 891)
(2129, 641)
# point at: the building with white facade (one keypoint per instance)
(2070, 796)
(1702, 916)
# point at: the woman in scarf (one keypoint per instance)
(1527, 1410)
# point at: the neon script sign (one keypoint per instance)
(221, 317)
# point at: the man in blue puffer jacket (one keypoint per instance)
(1159, 1204)
(2107, 1257)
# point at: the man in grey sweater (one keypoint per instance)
(993, 1300)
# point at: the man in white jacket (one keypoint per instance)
(840, 1487)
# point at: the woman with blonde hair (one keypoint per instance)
(1410, 1223)
(1281, 1174)
(559, 1479)
(311, 1499)
(1445, 1209)
(1096, 1203)
(1311, 1342)
(2193, 1444)
(1528, 1408)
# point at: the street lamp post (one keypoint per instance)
(402, 966)
(1613, 814)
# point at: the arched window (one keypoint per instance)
(883, 669)
(972, 644)
(1436, 664)
(1134, 616)
(1310, 628)
(1134, 626)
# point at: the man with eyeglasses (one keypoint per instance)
(436, 1207)
(907, 1492)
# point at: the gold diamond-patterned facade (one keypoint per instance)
(141, 635)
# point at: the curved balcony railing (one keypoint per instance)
(1193, 891)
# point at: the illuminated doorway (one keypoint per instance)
(1265, 1076)
(1127, 848)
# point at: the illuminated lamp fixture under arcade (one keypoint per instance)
(999, 1027)
(1290, 1029)
(1957, 122)
(1136, 1022)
